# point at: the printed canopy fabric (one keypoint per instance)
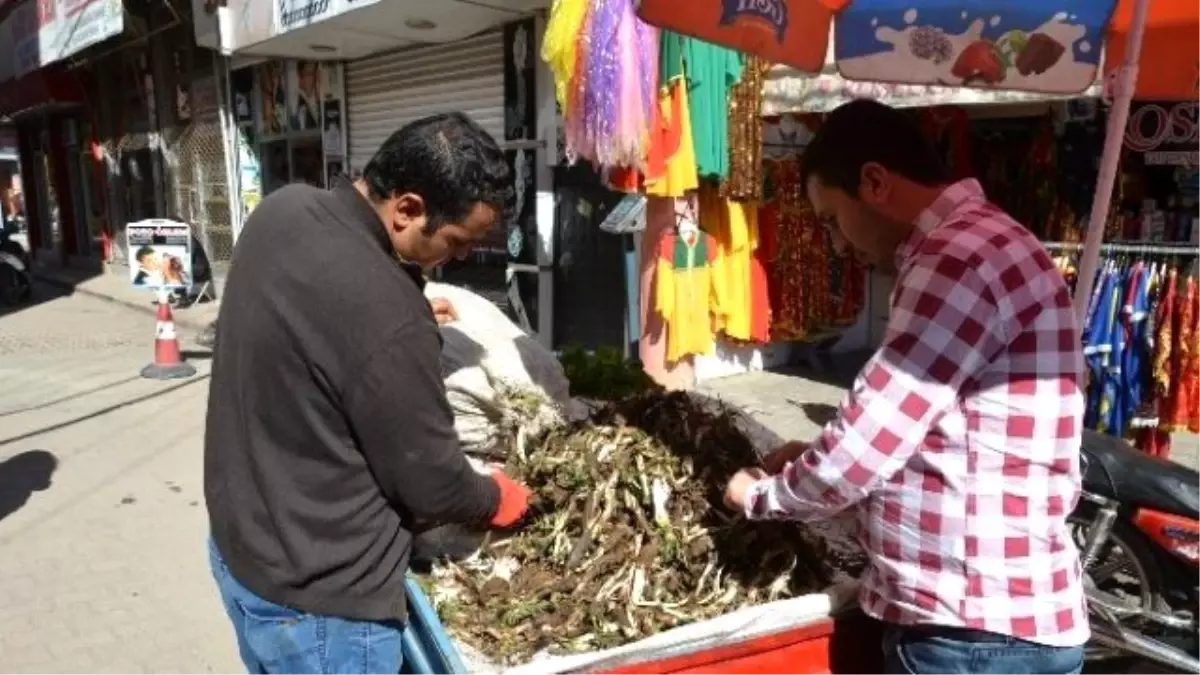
(1026, 45)
(1047, 46)
(787, 90)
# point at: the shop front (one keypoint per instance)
(289, 126)
(774, 290)
(325, 83)
(131, 130)
(47, 105)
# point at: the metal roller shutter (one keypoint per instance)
(385, 91)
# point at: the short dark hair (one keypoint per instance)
(142, 253)
(450, 161)
(863, 131)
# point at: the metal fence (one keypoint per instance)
(158, 122)
(192, 146)
(199, 188)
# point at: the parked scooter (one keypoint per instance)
(1138, 530)
(16, 270)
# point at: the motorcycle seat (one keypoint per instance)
(1113, 468)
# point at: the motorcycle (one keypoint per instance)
(1137, 526)
(16, 268)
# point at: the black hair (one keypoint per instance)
(142, 253)
(450, 161)
(863, 131)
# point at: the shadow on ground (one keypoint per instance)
(819, 414)
(42, 294)
(22, 475)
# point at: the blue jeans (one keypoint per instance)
(277, 639)
(934, 649)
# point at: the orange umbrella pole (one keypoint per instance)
(1114, 139)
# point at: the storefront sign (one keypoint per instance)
(44, 31)
(1167, 134)
(292, 14)
(160, 254)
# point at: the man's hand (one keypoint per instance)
(780, 457)
(738, 488)
(443, 311)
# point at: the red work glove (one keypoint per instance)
(514, 500)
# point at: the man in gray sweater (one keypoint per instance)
(329, 438)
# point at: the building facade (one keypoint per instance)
(119, 117)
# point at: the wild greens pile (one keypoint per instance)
(604, 374)
(627, 536)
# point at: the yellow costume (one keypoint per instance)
(559, 43)
(734, 226)
(687, 295)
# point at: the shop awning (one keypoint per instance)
(40, 89)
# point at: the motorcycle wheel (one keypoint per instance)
(1126, 568)
(14, 287)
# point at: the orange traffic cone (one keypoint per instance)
(168, 359)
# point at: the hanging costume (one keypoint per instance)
(687, 295)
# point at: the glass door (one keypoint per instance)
(75, 177)
(47, 203)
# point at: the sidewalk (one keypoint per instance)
(796, 402)
(114, 286)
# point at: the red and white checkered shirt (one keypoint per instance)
(959, 442)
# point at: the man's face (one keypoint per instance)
(148, 262)
(859, 221)
(452, 240)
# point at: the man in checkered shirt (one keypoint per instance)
(958, 445)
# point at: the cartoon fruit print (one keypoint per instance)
(1039, 55)
(1009, 46)
(979, 61)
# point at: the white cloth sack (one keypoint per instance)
(486, 359)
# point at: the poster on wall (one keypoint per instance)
(332, 123)
(332, 135)
(183, 93)
(519, 101)
(249, 171)
(304, 99)
(160, 254)
(273, 89)
(242, 84)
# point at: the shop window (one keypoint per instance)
(276, 173)
(282, 110)
(307, 162)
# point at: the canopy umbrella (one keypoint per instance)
(1046, 46)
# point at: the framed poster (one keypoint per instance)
(242, 84)
(160, 254)
(304, 97)
(333, 122)
(272, 82)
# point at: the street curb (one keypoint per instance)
(180, 320)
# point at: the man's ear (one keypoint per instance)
(410, 207)
(874, 184)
